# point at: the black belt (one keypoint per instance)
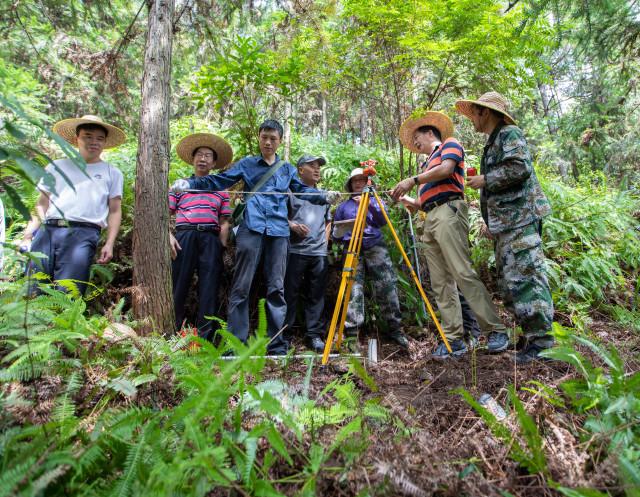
(199, 227)
(432, 205)
(63, 223)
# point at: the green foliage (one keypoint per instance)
(532, 457)
(145, 415)
(609, 398)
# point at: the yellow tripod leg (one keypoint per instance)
(413, 273)
(348, 270)
(362, 216)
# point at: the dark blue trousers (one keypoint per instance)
(201, 252)
(251, 247)
(306, 276)
(69, 253)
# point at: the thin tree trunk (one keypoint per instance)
(324, 117)
(287, 128)
(152, 296)
(363, 121)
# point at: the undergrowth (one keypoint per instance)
(88, 410)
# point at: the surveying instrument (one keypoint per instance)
(351, 265)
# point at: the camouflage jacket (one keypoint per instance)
(512, 196)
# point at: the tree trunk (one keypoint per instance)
(363, 122)
(324, 117)
(287, 128)
(152, 296)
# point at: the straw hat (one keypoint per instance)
(67, 130)
(490, 100)
(189, 144)
(358, 171)
(433, 118)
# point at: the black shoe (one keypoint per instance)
(400, 338)
(458, 349)
(530, 353)
(316, 344)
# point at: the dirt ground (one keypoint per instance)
(448, 449)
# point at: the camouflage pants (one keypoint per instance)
(374, 265)
(523, 281)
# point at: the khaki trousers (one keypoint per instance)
(446, 240)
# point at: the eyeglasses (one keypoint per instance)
(205, 155)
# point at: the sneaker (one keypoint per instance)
(497, 342)
(400, 338)
(530, 353)
(458, 349)
(316, 344)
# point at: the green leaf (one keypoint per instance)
(277, 442)
(143, 378)
(16, 201)
(14, 131)
(123, 386)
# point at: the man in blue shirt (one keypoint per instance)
(263, 234)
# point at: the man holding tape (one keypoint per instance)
(263, 233)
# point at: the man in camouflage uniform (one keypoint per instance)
(513, 205)
(374, 263)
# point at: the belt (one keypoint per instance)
(63, 223)
(199, 227)
(432, 205)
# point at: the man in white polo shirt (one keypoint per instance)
(71, 213)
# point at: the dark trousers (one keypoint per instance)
(69, 253)
(469, 322)
(309, 274)
(201, 252)
(251, 247)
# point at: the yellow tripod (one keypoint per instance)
(351, 264)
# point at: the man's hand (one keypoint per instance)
(476, 182)
(302, 230)
(180, 185)
(333, 197)
(409, 203)
(406, 185)
(106, 254)
(25, 243)
(174, 245)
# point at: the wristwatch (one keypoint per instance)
(415, 180)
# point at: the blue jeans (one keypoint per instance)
(69, 253)
(251, 247)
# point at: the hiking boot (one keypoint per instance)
(471, 337)
(497, 342)
(458, 349)
(316, 344)
(530, 353)
(399, 337)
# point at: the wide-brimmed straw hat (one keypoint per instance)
(189, 144)
(438, 120)
(490, 100)
(358, 171)
(67, 130)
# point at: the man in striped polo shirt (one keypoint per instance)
(446, 232)
(202, 228)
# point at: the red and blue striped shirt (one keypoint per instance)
(448, 187)
(199, 208)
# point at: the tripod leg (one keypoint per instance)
(348, 273)
(413, 273)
